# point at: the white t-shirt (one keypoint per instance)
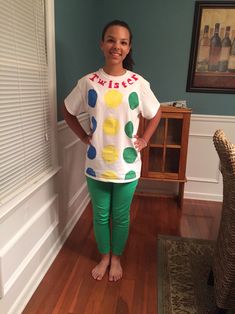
(114, 105)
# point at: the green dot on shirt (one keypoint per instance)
(130, 175)
(129, 155)
(129, 128)
(133, 100)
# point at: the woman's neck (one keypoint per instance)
(114, 71)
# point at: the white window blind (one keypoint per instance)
(25, 135)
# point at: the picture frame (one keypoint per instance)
(212, 56)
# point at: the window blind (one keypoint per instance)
(25, 140)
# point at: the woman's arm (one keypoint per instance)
(142, 142)
(75, 126)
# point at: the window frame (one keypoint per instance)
(37, 182)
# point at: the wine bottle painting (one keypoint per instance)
(212, 59)
(216, 53)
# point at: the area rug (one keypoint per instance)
(183, 268)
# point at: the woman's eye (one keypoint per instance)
(124, 43)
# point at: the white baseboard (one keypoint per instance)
(203, 196)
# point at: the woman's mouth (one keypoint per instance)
(115, 53)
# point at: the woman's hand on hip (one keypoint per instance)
(139, 143)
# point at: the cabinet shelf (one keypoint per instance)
(167, 177)
(167, 145)
(164, 159)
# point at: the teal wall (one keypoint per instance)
(161, 46)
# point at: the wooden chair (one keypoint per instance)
(224, 257)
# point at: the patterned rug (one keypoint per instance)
(183, 269)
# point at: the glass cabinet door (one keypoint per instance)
(172, 160)
(159, 135)
(155, 159)
(174, 131)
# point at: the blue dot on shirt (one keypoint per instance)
(91, 153)
(91, 172)
(92, 97)
(94, 124)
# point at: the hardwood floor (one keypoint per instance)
(68, 287)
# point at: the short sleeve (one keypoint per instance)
(149, 102)
(74, 102)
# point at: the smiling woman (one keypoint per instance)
(125, 38)
(114, 98)
(115, 46)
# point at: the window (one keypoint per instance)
(26, 135)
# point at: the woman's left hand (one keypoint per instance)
(140, 143)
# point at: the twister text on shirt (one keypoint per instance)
(112, 84)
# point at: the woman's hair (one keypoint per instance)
(128, 62)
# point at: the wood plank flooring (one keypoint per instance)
(68, 287)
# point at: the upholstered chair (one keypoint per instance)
(224, 258)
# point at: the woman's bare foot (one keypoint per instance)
(115, 272)
(99, 270)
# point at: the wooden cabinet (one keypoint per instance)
(164, 159)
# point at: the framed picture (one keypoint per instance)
(212, 56)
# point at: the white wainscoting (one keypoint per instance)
(204, 177)
(33, 232)
(73, 191)
(29, 233)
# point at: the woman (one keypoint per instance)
(114, 97)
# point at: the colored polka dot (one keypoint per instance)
(92, 98)
(109, 175)
(91, 153)
(110, 154)
(113, 98)
(130, 175)
(91, 172)
(133, 100)
(129, 155)
(111, 126)
(129, 128)
(93, 124)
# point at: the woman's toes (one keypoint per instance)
(115, 273)
(99, 270)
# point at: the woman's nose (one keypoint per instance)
(116, 45)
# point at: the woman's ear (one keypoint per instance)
(101, 44)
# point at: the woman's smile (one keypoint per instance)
(115, 53)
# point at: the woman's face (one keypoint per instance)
(115, 45)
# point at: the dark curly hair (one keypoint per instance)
(128, 62)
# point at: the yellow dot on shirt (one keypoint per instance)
(110, 154)
(109, 175)
(111, 126)
(113, 98)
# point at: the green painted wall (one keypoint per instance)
(162, 38)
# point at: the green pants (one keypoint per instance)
(111, 202)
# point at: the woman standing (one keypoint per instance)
(114, 97)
